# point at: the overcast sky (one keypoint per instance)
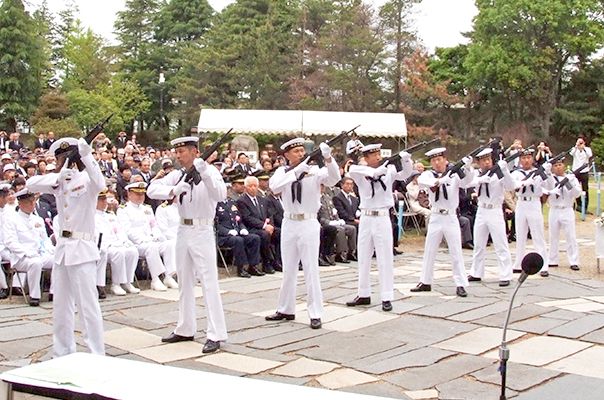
(439, 23)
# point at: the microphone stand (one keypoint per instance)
(504, 352)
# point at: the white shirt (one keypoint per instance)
(450, 201)
(534, 190)
(114, 234)
(25, 236)
(566, 198)
(581, 157)
(139, 222)
(168, 220)
(282, 180)
(378, 197)
(76, 206)
(493, 191)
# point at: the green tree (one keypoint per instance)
(86, 63)
(53, 114)
(521, 48)
(44, 25)
(183, 21)
(21, 63)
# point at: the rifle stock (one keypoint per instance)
(314, 155)
(496, 170)
(415, 147)
(540, 171)
(565, 182)
(457, 168)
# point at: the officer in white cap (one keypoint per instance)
(139, 222)
(4, 252)
(561, 215)
(443, 191)
(375, 229)
(116, 249)
(300, 186)
(528, 213)
(75, 187)
(198, 188)
(489, 217)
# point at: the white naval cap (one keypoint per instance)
(24, 193)
(438, 151)
(7, 156)
(8, 167)
(50, 167)
(138, 187)
(62, 145)
(485, 153)
(290, 144)
(5, 186)
(371, 148)
(185, 141)
(527, 152)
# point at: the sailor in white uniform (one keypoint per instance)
(375, 229)
(300, 186)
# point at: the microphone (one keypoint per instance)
(531, 264)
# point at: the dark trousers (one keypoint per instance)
(246, 249)
(268, 245)
(328, 240)
(584, 180)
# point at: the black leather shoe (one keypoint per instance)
(51, 297)
(174, 338)
(242, 273)
(386, 306)
(574, 267)
(343, 260)
(461, 292)
(34, 302)
(468, 246)
(553, 265)
(474, 279)
(504, 283)
(252, 270)
(517, 271)
(331, 259)
(359, 301)
(3, 292)
(396, 252)
(544, 274)
(422, 287)
(210, 346)
(280, 316)
(268, 269)
(102, 293)
(323, 262)
(17, 291)
(278, 267)
(352, 257)
(315, 323)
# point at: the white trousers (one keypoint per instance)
(123, 262)
(154, 252)
(562, 219)
(75, 285)
(529, 216)
(300, 242)
(375, 233)
(33, 266)
(491, 221)
(196, 257)
(446, 226)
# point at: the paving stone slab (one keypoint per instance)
(130, 339)
(24, 331)
(469, 389)
(344, 377)
(195, 365)
(520, 377)
(565, 315)
(436, 374)
(595, 336)
(171, 352)
(541, 350)
(448, 308)
(482, 312)
(414, 358)
(170, 294)
(477, 341)
(305, 367)
(428, 394)
(566, 387)
(589, 362)
(286, 338)
(132, 322)
(281, 379)
(579, 327)
(519, 313)
(381, 389)
(358, 321)
(238, 362)
(538, 325)
(264, 331)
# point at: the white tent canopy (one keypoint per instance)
(286, 122)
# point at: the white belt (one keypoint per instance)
(442, 211)
(488, 206)
(77, 235)
(528, 198)
(560, 207)
(374, 213)
(301, 217)
(196, 221)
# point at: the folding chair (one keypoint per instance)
(224, 263)
(405, 212)
(10, 273)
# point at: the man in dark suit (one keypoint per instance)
(345, 234)
(50, 139)
(232, 232)
(15, 143)
(39, 142)
(243, 164)
(254, 212)
(347, 203)
(44, 211)
(121, 140)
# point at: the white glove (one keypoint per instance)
(379, 171)
(233, 232)
(484, 179)
(443, 180)
(404, 156)
(342, 222)
(31, 255)
(503, 165)
(547, 167)
(180, 188)
(467, 161)
(243, 232)
(334, 212)
(302, 167)
(65, 175)
(554, 192)
(84, 148)
(325, 150)
(357, 213)
(200, 165)
(334, 223)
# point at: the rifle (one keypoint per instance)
(565, 182)
(316, 153)
(395, 158)
(496, 170)
(457, 168)
(541, 172)
(192, 176)
(73, 156)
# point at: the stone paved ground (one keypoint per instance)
(433, 345)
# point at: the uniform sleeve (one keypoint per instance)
(359, 172)
(47, 183)
(97, 179)
(426, 180)
(214, 183)
(133, 234)
(161, 217)
(161, 189)
(466, 182)
(330, 174)
(576, 188)
(405, 172)
(281, 179)
(11, 239)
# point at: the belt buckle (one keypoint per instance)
(66, 234)
(374, 213)
(187, 221)
(297, 217)
(443, 211)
